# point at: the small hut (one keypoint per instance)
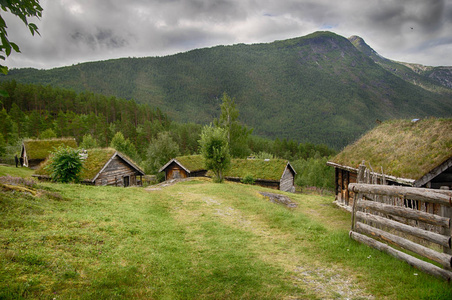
(34, 152)
(104, 167)
(415, 153)
(272, 173)
(184, 166)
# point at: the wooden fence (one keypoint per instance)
(382, 219)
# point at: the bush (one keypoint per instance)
(65, 165)
(248, 179)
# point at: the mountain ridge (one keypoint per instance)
(320, 88)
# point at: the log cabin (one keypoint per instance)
(275, 173)
(416, 153)
(33, 152)
(103, 167)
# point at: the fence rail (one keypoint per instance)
(382, 219)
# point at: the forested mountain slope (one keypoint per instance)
(319, 88)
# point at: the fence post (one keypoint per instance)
(360, 179)
(446, 211)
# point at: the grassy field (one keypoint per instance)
(192, 240)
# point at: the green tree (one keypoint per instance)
(124, 145)
(160, 151)
(89, 142)
(23, 9)
(65, 165)
(215, 150)
(47, 134)
(2, 146)
(237, 134)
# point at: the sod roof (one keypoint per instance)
(192, 162)
(272, 169)
(40, 149)
(93, 164)
(403, 148)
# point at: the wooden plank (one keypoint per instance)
(406, 213)
(424, 234)
(442, 258)
(443, 197)
(415, 262)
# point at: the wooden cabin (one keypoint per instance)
(34, 152)
(104, 167)
(415, 153)
(184, 166)
(275, 173)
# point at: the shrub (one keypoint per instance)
(248, 179)
(65, 165)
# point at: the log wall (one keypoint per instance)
(116, 172)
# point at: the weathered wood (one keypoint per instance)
(442, 258)
(442, 197)
(405, 213)
(360, 179)
(424, 234)
(415, 262)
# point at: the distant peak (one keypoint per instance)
(362, 46)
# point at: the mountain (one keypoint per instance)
(320, 88)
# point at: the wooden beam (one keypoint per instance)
(442, 258)
(443, 197)
(406, 213)
(415, 262)
(423, 234)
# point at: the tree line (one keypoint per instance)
(142, 132)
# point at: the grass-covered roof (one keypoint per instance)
(272, 169)
(404, 148)
(92, 165)
(192, 162)
(40, 149)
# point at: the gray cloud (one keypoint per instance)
(74, 31)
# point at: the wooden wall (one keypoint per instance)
(174, 171)
(287, 181)
(116, 172)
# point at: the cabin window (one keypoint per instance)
(126, 180)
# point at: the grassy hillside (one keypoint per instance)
(192, 240)
(319, 88)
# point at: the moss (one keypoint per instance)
(403, 148)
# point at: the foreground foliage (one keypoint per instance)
(192, 240)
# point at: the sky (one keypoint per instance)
(77, 31)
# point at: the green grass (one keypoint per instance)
(192, 240)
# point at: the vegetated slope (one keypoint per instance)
(319, 88)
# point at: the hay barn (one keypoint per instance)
(184, 166)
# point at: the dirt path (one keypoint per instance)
(273, 246)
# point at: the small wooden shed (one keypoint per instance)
(34, 152)
(271, 173)
(104, 167)
(184, 166)
(415, 153)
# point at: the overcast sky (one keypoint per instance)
(75, 31)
